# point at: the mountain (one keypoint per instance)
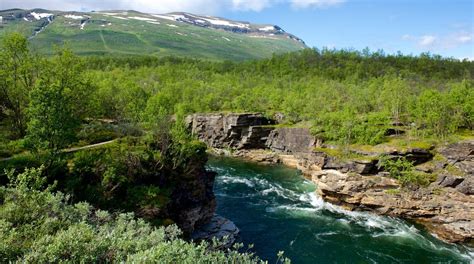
(136, 33)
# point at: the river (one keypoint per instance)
(276, 208)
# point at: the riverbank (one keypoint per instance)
(445, 207)
(277, 209)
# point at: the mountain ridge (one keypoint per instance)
(121, 32)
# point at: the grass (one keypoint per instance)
(344, 154)
(400, 143)
(393, 191)
(453, 170)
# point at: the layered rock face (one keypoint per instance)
(446, 207)
(291, 140)
(461, 156)
(444, 211)
(236, 131)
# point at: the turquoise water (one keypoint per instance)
(277, 209)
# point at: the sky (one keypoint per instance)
(444, 27)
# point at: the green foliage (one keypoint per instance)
(404, 171)
(96, 132)
(349, 97)
(393, 191)
(347, 127)
(30, 179)
(9, 147)
(41, 227)
(433, 113)
(18, 71)
(55, 109)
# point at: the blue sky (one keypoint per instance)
(444, 27)
(441, 27)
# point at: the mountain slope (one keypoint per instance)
(135, 33)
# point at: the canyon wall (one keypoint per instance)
(445, 207)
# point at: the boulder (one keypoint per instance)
(466, 187)
(364, 167)
(219, 228)
(449, 181)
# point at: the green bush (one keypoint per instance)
(11, 147)
(347, 127)
(404, 171)
(41, 227)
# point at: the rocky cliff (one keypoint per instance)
(192, 200)
(236, 131)
(445, 207)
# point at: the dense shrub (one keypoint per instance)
(347, 127)
(404, 171)
(42, 227)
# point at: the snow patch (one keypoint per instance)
(83, 25)
(172, 17)
(220, 22)
(226, 39)
(181, 34)
(165, 17)
(39, 16)
(202, 20)
(73, 16)
(171, 25)
(26, 19)
(154, 22)
(269, 28)
(123, 18)
(143, 18)
(177, 17)
(113, 14)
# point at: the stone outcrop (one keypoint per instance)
(446, 207)
(461, 155)
(192, 202)
(458, 167)
(220, 228)
(237, 131)
(445, 212)
(291, 140)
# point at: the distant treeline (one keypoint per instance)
(346, 96)
(329, 63)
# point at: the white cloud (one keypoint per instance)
(464, 38)
(298, 4)
(164, 6)
(427, 40)
(448, 41)
(251, 5)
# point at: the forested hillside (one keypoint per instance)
(344, 95)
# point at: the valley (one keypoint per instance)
(176, 137)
